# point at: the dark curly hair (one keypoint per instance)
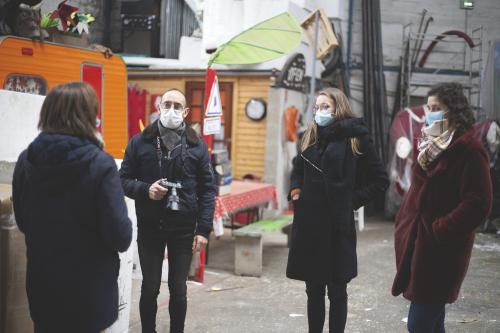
(452, 95)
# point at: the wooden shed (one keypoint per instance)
(245, 138)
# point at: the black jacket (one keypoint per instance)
(140, 169)
(69, 204)
(333, 181)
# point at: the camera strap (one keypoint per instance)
(159, 152)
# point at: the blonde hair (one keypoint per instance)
(343, 111)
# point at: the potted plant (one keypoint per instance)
(68, 26)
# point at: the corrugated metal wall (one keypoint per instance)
(177, 19)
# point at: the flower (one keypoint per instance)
(63, 13)
(67, 18)
(83, 21)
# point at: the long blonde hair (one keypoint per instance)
(343, 111)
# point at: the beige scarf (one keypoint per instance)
(435, 140)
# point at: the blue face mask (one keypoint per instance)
(432, 117)
(324, 118)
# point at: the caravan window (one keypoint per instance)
(29, 84)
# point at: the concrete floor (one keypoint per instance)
(274, 303)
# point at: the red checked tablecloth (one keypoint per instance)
(244, 195)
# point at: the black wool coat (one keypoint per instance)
(70, 206)
(333, 181)
(140, 169)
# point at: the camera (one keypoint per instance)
(173, 198)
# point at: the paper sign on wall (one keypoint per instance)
(212, 125)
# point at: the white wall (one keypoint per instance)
(280, 152)
(18, 122)
(223, 19)
(332, 8)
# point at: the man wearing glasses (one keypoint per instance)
(167, 171)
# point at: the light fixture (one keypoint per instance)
(467, 4)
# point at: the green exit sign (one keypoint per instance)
(467, 4)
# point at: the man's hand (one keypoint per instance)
(156, 191)
(199, 243)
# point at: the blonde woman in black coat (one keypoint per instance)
(336, 172)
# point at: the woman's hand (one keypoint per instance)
(295, 194)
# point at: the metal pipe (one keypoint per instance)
(381, 94)
(315, 47)
(373, 74)
(349, 47)
(366, 111)
(420, 25)
(108, 7)
(421, 41)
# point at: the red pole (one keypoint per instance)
(210, 77)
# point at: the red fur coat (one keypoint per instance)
(435, 225)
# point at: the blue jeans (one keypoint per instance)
(426, 318)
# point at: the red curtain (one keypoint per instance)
(136, 109)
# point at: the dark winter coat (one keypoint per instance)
(69, 204)
(140, 169)
(333, 181)
(435, 224)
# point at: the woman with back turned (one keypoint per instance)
(69, 203)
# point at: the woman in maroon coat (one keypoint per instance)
(449, 197)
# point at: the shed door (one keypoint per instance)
(93, 75)
(195, 95)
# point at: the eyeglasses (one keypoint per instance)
(168, 105)
(323, 107)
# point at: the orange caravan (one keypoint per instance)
(34, 67)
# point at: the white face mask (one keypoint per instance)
(170, 118)
(324, 117)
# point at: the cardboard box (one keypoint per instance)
(14, 309)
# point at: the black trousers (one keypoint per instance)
(179, 242)
(337, 294)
